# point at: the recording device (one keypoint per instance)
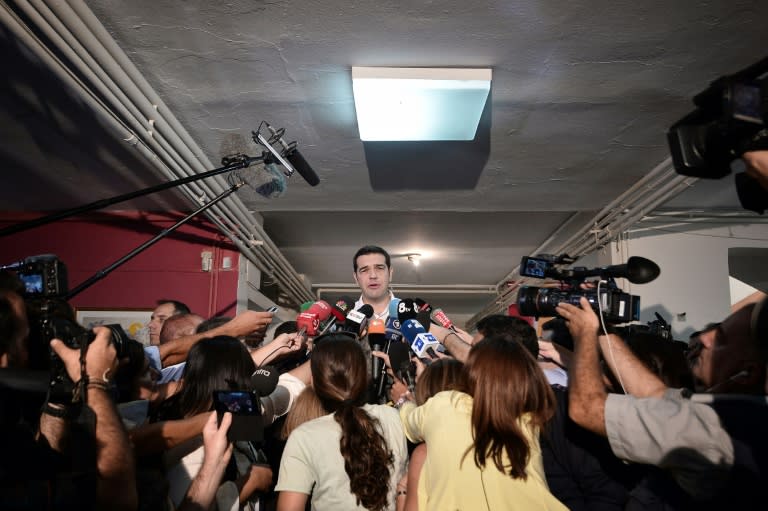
(616, 305)
(50, 316)
(730, 118)
(422, 343)
(245, 407)
(658, 327)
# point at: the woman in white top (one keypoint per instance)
(352, 458)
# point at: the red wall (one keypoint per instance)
(171, 268)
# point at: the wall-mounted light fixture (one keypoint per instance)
(413, 257)
(417, 103)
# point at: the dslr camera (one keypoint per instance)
(50, 316)
(731, 118)
(615, 305)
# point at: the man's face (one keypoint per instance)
(373, 276)
(721, 351)
(159, 315)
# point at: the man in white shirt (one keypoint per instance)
(373, 272)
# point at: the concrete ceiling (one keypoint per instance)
(581, 98)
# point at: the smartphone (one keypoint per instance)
(534, 267)
(245, 407)
(274, 308)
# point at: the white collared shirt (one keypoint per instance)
(382, 315)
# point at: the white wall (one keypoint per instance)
(694, 272)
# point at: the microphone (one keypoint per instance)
(392, 311)
(400, 359)
(392, 330)
(309, 321)
(406, 310)
(377, 340)
(306, 305)
(357, 320)
(422, 342)
(339, 311)
(422, 305)
(637, 270)
(439, 317)
(264, 380)
(294, 157)
(268, 181)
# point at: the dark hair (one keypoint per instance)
(511, 327)
(286, 327)
(371, 249)
(9, 326)
(218, 363)
(178, 307)
(663, 357)
(499, 371)
(211, 323)
(11, 282)
(340, 380)
(442, 374)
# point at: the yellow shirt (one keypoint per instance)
(447, 483)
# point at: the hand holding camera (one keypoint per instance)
(100, 357)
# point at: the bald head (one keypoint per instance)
(179, 326)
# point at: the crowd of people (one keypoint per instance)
(572, 417)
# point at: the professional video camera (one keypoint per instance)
(616, 306)
(731, 118)
(50, 316)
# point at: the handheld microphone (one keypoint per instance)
(309, 321)
(422, 305)
(339, 311)
(358, 320)
(439, 317)
(400, 360)
(406, 310)
(306, 305)
(392, 311)
(392, 331)
(295, 158)
(377, 340)
(422, 342)
(264, 380)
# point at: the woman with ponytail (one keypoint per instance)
(352, 458)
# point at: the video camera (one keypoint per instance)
(616, 305)
(731, 118)
(50, 316)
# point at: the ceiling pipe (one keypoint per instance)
(173, 156)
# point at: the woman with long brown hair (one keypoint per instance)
(482, 443)
(352, 458)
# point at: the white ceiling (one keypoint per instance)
(581, 98)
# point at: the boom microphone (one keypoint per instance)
(295, 158)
